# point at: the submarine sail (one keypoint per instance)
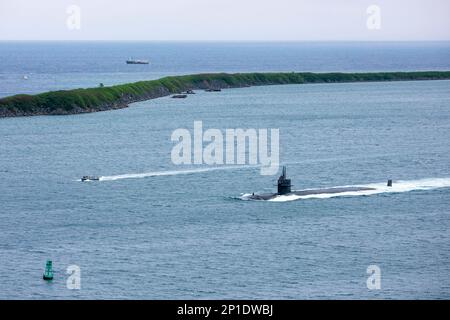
(284, 184)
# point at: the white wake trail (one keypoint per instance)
(398, 187)
(170, 173)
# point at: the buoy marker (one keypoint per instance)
(48, 272)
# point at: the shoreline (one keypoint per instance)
(78, 101)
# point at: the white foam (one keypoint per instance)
(169, 173)
(398, 186)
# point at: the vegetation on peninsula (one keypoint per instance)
(120, 96)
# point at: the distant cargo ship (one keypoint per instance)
(137, 61)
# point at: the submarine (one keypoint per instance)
(284, 189)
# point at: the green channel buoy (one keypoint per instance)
(48, 273)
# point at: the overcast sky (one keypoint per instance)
(261, 20)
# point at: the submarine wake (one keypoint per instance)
(364, 190)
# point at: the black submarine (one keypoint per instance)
(284, 189)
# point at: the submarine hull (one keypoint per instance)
(270, 196)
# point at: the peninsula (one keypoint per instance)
(104, 98)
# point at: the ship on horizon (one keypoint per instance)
(137, 61)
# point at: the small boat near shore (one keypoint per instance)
(213, 90)
(179, 96)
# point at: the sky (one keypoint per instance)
(226, 20)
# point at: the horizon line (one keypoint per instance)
(206, 40)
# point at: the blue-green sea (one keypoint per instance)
(151, 229)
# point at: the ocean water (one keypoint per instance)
(153, 230)
(67, 65)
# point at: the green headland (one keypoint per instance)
(101, 98)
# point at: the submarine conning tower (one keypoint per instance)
(284, 184)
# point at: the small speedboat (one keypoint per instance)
(179, 96)
(90, 178)
(213, 90)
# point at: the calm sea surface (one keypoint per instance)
(153, 230)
